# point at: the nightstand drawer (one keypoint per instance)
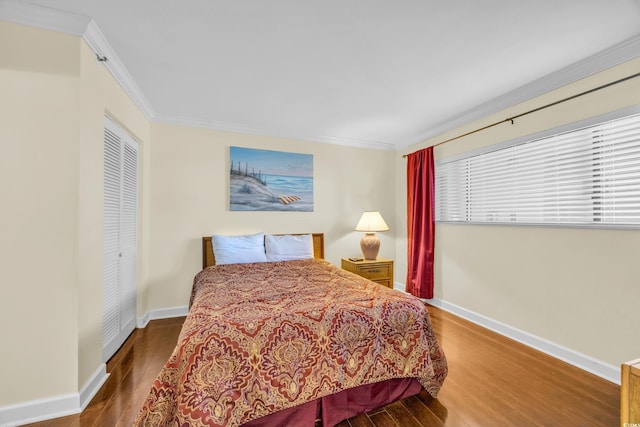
(379, 270)
(375, 271)
(386, 283)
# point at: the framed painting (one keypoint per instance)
(265, 180)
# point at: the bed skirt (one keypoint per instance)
(343, 405)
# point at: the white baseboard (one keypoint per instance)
(43, 409)
(579, 360)
(73, 403)
(91, 387)
(162, 313)
(54, 407)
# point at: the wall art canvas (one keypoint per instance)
(265, 180)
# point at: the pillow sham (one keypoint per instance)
(288, 247)
(240, 249)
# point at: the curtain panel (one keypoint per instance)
(420, 222)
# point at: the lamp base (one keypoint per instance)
(370, 245)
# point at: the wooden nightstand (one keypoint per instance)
(379, 270)
(630, 394)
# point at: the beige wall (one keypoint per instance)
(100, 94)
(54, 98)
(578, 288)
(189, 199)
(39, 175)
(575, 287)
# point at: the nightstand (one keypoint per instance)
(379, 270)
(630, 393)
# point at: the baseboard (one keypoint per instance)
(92, 386)
(54, 407)
(43, 409)
(579, 360)
(162, 313)
(73, 403)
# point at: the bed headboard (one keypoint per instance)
(208, 258)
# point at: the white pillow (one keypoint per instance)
(240, 249)
(288, 247)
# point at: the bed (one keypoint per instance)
(294, 342)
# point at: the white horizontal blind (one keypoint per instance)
(585, 177)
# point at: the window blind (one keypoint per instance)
(589, 176)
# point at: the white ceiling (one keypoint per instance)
(382, 74)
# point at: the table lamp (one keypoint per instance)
(370, 222)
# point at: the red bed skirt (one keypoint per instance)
(343, 405)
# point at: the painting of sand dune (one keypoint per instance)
(266, 180)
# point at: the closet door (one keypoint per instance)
(120, 236)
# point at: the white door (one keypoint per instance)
(120, 236)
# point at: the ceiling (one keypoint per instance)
(380, 74)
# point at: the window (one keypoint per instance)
(585, 176)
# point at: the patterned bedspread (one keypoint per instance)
(268, 336)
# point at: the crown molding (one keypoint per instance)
(268, 132)
(101, 47)
(64, 22)
(55, 20)
(52, 19)
(616, 55)
(43, 17)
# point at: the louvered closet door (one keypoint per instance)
(120, 236)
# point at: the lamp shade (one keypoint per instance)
(371, 221)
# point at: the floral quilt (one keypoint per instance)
(264, 337)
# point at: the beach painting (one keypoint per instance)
(265, 180)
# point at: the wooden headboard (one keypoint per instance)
(208, 258)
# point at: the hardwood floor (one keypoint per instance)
(493, 381)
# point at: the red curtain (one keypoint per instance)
(420, 221)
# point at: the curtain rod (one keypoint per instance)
(511, 119)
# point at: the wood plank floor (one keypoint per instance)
(493, 381)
